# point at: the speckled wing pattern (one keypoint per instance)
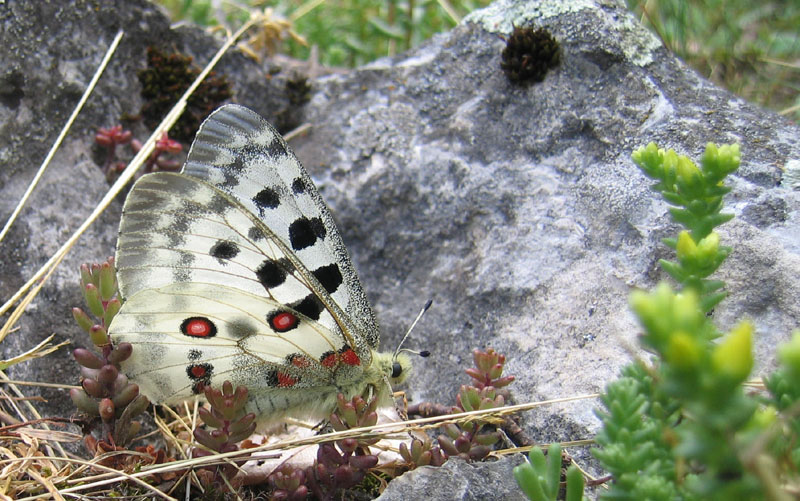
(233, 269)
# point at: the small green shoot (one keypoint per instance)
(540, 477)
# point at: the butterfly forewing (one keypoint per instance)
(241, 154)
(179, 229)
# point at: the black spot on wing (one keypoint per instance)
(182, 272)
(224, 250)
(218, 205)
(242, 157)
(271, 378)
(304, 232)
(299, 186)
(329, 276)
(276, 149)
(267, 198)
(178, 229)
(309, 306)
(240, 329)
(270, 274)
(255, 234)
(230, 180)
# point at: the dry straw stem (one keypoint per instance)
(23, 416)
(377, 431)
(78, 107)
(115, 476)
(445, 5)
(305, 9)
(42, 385)
(125, 177)
(128, 174)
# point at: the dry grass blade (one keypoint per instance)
(28, 462)
(127, 175)
(305, 9)
(51, 489)
(41, 385)
(47, 269)
(40, 350)
(22, 417)
(445, 5)
(113, 476)
(50, 435)
(543, 446)
(78, 107)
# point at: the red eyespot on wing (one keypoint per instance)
(285, 380)
(201, 375)
(198, 327)
(282, 321)
(200, 372)
(349, 357)
(299, 361)
(329, 359)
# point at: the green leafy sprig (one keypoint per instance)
(684, 427)
(697, 195)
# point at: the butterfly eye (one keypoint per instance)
(397, 369)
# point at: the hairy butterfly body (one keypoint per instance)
(233, 270)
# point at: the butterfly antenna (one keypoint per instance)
(414, 324)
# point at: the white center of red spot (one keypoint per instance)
(284, 321)
(199, 328)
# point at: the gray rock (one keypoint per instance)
(517, 209)
(50, 52)
(458, 480)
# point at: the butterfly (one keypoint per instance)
(234, 270)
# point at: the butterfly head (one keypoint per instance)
(400, 366)
(395, 368)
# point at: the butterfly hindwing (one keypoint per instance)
(189, 335)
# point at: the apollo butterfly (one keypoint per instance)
(234, 270)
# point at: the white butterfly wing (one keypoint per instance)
(177, 229)
(240, 153)
(188, 334)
